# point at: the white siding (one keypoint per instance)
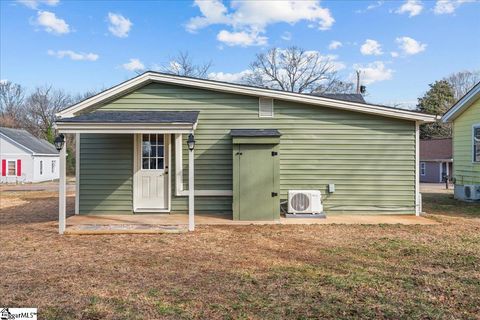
(30, 164)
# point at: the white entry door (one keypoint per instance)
(151, 183)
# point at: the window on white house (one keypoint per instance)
(54, 164)
(476, 143)
(265, 107)
(41, 167)
(422, 168)
(12, 167)
(152, 152)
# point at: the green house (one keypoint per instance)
(465, 119)
(143, 144)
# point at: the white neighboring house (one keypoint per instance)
(25, 158)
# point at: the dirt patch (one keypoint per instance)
(249, 272)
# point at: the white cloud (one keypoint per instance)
(119, 25)
(77, 56)
(373, 72)
(133, 65)
(334, 45)
(33, 4)
(252, 17)
(287, 36)
(448, 6)
(242, 38)
(371, 6)
(229, 77)
(394, 54)
(412, 7)
(410, 46)
(51, 23)
(371, 47)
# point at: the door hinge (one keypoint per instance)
(274, 153)
(274, 194)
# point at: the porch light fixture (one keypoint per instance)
(59, 141)
(191, 142)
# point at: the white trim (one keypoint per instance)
(179, 191)
(417, 175)
(270, 100)
(474, 126)
(167, 167)
(149, 77)
(137, 168)
(15, 162)
(462, 104)
(62, 194)
(191, 190)
(77, 173)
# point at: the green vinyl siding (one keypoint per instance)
(370, 159)
(106, 168)
(465, 171)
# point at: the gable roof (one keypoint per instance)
(461, 105)
(352, 97)
(25, 139)
(149, 77)
(436, 149)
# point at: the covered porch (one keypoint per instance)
(149, 158)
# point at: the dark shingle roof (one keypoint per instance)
(436, 149)
(255, 133)
(350, 97)
(135, 117)
(29, 141)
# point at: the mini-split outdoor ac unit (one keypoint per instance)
(471, 192)
(305, 201)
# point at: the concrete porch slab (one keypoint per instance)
(74, 222)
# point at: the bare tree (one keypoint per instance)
(12, 97)
(40, 109)
(462, 82)
(183, 65)
(295, 70)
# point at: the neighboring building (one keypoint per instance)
(436, 161)
(465, 119)
(25, 158)
(252, 145)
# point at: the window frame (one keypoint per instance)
(423, 168)
(149, 156)
(15, 166)
(474, 157)
(54, 165)
(41, 167)
(259, 107)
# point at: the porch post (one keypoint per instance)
(62, 196)
(191, 191)
(418, 197)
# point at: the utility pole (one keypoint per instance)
(358, 81)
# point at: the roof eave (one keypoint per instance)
(466, 101)
(148, 77)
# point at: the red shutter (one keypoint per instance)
(19, 167)
(4, 168)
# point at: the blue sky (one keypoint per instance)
(401, 46)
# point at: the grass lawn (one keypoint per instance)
(243, 272)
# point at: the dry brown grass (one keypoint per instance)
(251, 272)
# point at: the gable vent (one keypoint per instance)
(265, 107)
